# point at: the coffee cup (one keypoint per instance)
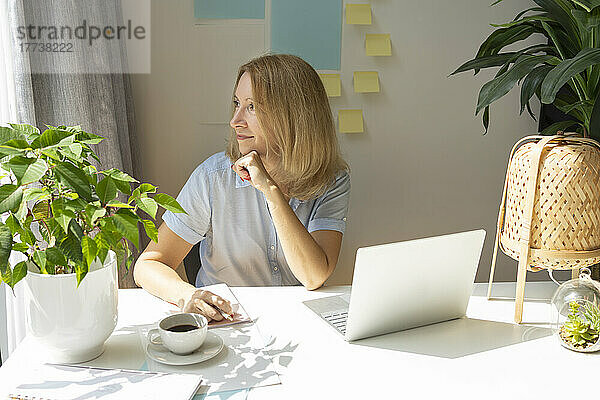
(181, 333)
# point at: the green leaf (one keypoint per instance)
(566, 70)
(494, 60)
(7, 134)
(10, 198)
(64, 221)
(595, 120)
(123, 186)
(146, 188)
(106, 189)
(103, 245)
(559, 11)
(25, 129)
(502, 37)
(41, 210)
(127, 224)
(50, 137)
(151, 230)
(81, 271)
(20, 247)
(118, 175)
(89, 138)
(169, 203)
(31, 194)
(76, 149)
(93, 213)
(71, 247)
(89, 249)
(558, 126)
(6, 276)
(586, 20)
(589, 5)
(18, 273)
(148, 205)
(40, 259)
(501, 85)
(16, 144)
(6, 244)
(13, 223)
(486, 119)
(27, 170)
(52, 153)
(539, 17)
(55, 256)
(117, 204)
(74, 178)
(531, 83)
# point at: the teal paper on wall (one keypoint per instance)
(229, 9)
(311, 29)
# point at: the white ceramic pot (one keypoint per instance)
(70, 324)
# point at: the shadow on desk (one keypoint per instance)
(456, 338)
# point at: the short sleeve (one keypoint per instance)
(195, 200)
(331, 208)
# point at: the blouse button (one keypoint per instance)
(272, 247)
(274, 268)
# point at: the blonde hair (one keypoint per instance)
(293, 111)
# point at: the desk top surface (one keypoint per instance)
(485, 354)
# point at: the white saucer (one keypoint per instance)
(212, 345)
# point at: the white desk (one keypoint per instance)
(482, 356)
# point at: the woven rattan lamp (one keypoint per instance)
(550, 211)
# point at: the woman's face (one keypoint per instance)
(248, 132)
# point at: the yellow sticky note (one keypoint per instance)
(358, 14)
(351, 121)
(378, 44)
(332, 83)
(366, 81)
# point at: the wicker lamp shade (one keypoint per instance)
(550, 211)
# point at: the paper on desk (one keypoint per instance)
(241, 364)
(62, 382)
(239, 314)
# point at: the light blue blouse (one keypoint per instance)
(239, 243)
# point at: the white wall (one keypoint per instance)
(421, 168)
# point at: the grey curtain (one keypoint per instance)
(100, 103)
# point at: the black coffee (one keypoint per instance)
(182, 328)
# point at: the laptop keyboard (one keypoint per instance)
(337, 319)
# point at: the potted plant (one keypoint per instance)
(64, 217)
(564, 72)
(569, 61)
(580, 331)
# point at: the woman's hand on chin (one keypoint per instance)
(251, 168)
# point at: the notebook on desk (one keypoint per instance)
(66, 382)
(405, 285)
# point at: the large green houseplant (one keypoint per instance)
(569, 60)
(61, 212)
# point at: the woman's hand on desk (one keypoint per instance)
(208, 304)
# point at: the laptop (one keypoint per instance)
(405, 285)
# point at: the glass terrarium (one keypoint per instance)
(576, 313)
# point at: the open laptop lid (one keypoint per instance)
(408, 284)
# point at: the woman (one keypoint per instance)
(271, 210)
